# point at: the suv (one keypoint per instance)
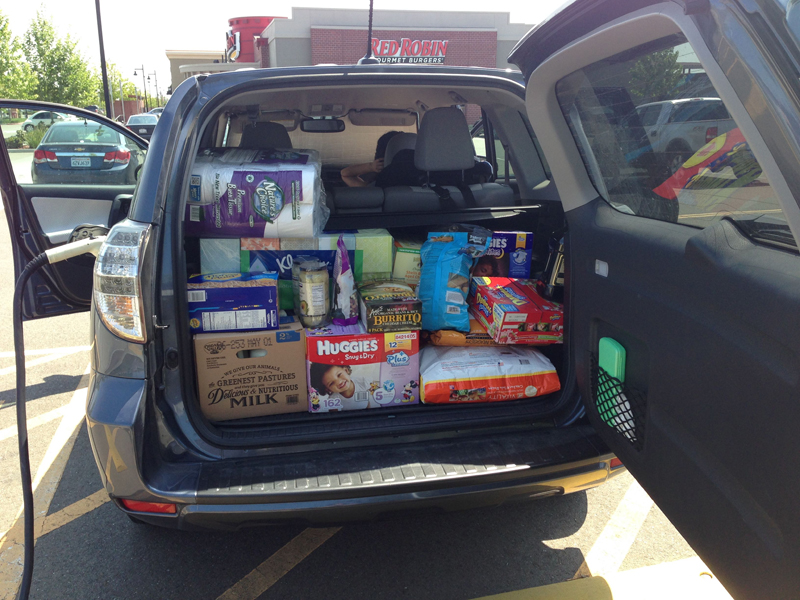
(679, 128)
(703, 299)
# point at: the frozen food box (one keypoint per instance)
(233, 302)
(389, 306)
(350, 369)
(509, 255)
(513, 312)
(486, 374)
(280, 261)
(407, 263)
(251, 374)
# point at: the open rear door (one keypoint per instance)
(60, 168)
(693, 269)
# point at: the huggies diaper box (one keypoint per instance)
(513, 312)
(350, 369)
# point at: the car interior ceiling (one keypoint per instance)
(436, 139)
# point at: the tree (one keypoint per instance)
(62, 73)
(16, 78)
(114, 77)
(656, 76)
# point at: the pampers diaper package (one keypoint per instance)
(447, 258)
(256, 193)
(350, 369)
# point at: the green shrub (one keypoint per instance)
(35, 135)
(16, 141)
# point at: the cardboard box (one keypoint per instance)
(407, 263)
(350, 369)
(378, 247)
(233, 302)
(297, 244)
(509, 255)
(251, 374)
(389, 306)
(258, 244)
(513, 312)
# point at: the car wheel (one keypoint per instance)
(28, 127)
(676, 158)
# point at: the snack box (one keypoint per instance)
(509, 255)
(280, 261)
(407, 263)
(233, 302)
(389, 306)
(251, 374)
(514, 313)
(350, 369)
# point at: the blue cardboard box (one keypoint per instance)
(233, 302)
(509, 255)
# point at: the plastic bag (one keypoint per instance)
(447, 258)
(345, 307)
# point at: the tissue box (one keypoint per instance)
(407, 264)
(377, 245)
(219, 255)
(297, 244)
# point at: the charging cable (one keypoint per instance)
(52, 256)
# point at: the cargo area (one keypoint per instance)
(283, 193)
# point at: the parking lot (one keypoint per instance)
(88, 549)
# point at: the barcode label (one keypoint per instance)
(453, 310)
(362, 396)
(524, 361)
(194, 213)
(197, 296)
(292, 399)
(454, 297)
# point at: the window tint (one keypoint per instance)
(694, 170)
(649, 114)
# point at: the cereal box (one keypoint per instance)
(233, 302)
(350, 369)
(514, 313)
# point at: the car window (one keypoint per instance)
(143, 120)
(691, 174)
(649, 115)
(55, 150)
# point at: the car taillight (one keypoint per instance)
(43, 156)
(711, 133)
(151, 507)
(615, 463)
(117, 286)
(121, 157)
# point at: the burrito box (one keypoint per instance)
(350, 369)
(514, 313)
(251, 374)
(233, 302)
(389, 306)
(509, 255)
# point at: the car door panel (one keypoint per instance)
(710, 318)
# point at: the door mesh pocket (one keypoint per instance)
(620, 407)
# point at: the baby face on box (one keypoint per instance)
(349, 369)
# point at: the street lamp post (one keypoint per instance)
(144, 88)
(155, 77)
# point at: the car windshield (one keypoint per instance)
(81, 132)
(143, 120)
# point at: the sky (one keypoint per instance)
(138, 34)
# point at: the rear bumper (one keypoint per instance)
(333, 484)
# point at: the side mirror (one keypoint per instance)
(322, 125)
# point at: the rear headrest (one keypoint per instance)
(402, 141)
(444, 142)
(265, 134)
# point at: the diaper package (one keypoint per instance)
(256, 193)
(447, 258)
(484, 374)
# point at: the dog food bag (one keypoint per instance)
(485, 374)
(476, 336)
(447, 258)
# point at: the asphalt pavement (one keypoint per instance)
(88, 549)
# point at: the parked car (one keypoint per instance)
(95, 109)
(143, 124)
(156, 111)
(678, 128)
(695, 275)
(42, 117)
(84, 152)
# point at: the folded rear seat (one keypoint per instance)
(353, 200)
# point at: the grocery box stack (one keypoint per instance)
(288, 317)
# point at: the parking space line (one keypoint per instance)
(612, 546)
(40, 351)
(52, 415)
(265, 575)
(54, 354)
(73, 511)
(45, 483)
